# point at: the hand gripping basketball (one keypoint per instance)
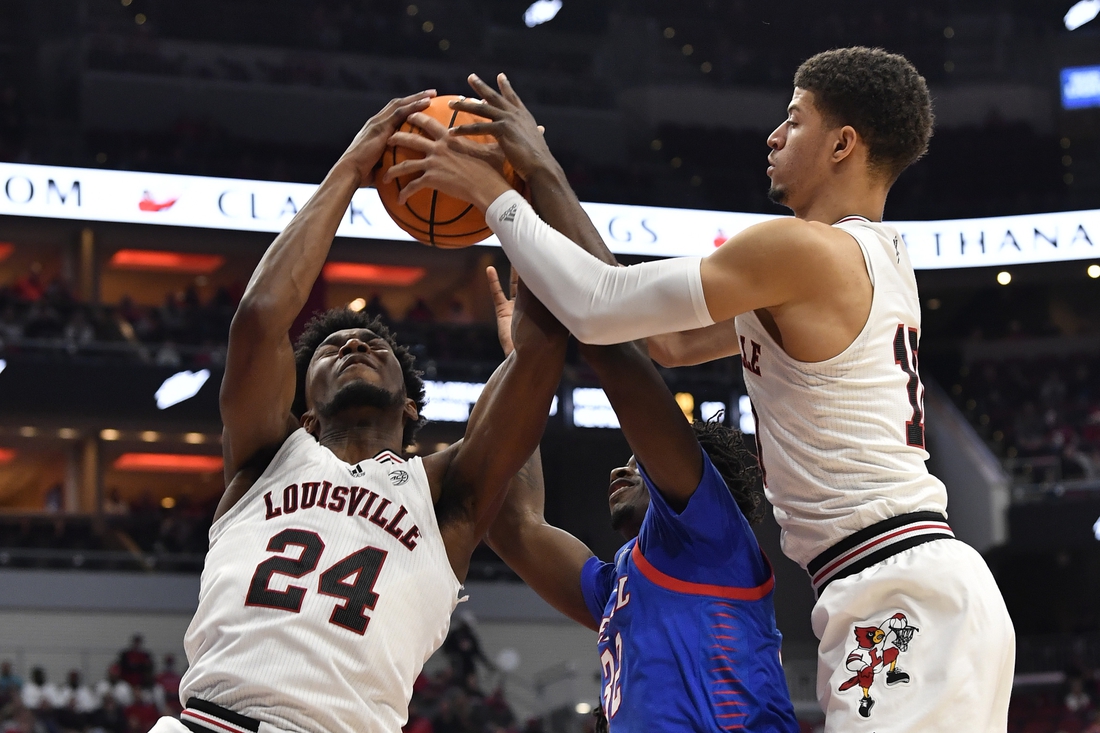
(436, 186)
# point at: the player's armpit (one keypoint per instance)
(698, 346)
(768, 265)
(548, 559)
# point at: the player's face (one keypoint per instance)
(353, 368)
(628, 499)
(798, 162)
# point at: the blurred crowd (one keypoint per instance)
(1067, 708)
(1043, 415)
(133, 694)
(38, 315)
(129, 699)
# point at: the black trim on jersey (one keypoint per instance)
(868, 533)
(388, 456)
(218, 711)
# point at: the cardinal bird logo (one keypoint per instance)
(877, 650)
(148, 204)
(720, 238)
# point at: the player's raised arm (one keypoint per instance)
(548, 559)
(663, 442)
(258, 387)
(763, 266)
(504, 428)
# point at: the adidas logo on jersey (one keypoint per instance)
(509, 213)
(356, 471)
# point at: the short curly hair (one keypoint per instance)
(736, 463)
(323, 325)
(879, 94)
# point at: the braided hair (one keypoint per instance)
(736, 462)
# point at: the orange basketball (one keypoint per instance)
(432, 217)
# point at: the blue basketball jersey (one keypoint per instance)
(687, 627)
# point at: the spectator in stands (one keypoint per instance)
(375, 307)
(464, 650)
(134, 663)
(148, 704)
(109, 718)
(1077, 700)
(115, 687)
(74, 703)
(39, 696)
(458, 314)
(11, 684)
(420, 312)
(169, 682)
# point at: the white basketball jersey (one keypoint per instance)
(326, 588)
(841, 441)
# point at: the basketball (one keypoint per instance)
(431, 217)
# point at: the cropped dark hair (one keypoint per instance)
(323, 325)
(879, 94)
(736, 463)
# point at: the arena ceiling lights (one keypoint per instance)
(1081, 13)
(168, 463)
(158, 261)
(361, 273)
(543, 11)
(267, 206)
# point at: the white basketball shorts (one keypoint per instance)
(919, 642)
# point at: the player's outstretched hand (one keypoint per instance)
(457, 167)
(503, 306)
(510, 123)
(366, 149)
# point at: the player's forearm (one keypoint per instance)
(597, 302)
(698, 346)
(557, 204)
(281, 283)
(548, 559)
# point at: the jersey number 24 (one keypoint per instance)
(356, 592)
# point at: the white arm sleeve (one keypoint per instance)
(598, 303)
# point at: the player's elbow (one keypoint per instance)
(661, 351)
(592, 330)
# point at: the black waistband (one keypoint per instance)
(209, 709)
(881, 540)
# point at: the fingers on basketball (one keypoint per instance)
(429, 216)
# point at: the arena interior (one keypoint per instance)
(116, 295)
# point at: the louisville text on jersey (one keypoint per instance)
(355, 501)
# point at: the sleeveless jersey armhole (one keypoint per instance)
(226, 520)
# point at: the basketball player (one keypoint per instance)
(335, 561)
(823, 308)
(687, 635)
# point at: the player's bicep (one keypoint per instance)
(550, 561)
(257, 394)
(765, 266)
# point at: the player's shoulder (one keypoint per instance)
(791, 239)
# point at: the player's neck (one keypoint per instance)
(840, 199)
(355, 441)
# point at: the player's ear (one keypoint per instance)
(309, 422)
(410, 411)
(844, 143)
